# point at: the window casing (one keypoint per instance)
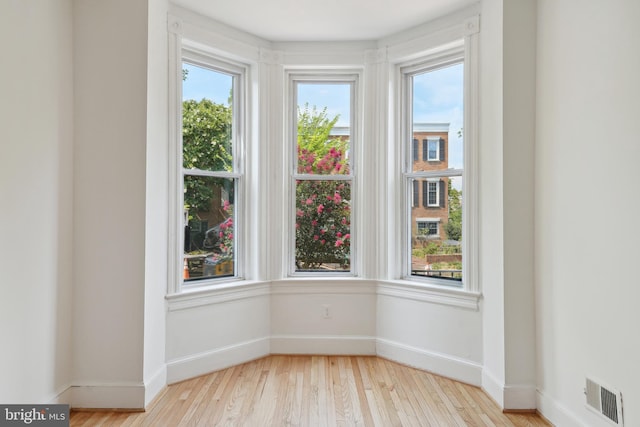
(322, 178)
(442, 173)
(209, 170)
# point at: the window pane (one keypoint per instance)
(209, 231)
(436, 222)
(323, 224)
(438, 118)
(323, 132)
(436, 231)
(207, 119)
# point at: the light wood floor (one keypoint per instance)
(316, 391)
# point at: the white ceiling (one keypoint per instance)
(323, 20)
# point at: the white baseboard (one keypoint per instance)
(448, 366)
(556, 413)
(107, 396)
(509, 397)
(214, 360)
(155, 385)
(323, 344)
(113, 396)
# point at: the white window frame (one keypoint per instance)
(325, 76)
(463, 51)
(185, 51)
(435, 182)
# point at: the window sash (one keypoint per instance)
(327, 77)
(407, 74)
(236, 175)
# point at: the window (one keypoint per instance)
(433, 95)
(210, 178)
(433, 150)
(428, 228)
(322, 173)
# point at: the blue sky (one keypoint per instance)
(438, 97)
(203, 83)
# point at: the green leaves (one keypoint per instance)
(206, 136)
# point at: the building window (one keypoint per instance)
(428, 228)
(322, 173)
(433, 150)
(210, 168)
(434, 103)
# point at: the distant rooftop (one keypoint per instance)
(431, 127)
(417, 127)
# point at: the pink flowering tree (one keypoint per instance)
(225, 235)
(323, 206)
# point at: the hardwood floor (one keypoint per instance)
(316, 391)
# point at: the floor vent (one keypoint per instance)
(605, 401)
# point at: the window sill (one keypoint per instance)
(427, 292)
(216, 293)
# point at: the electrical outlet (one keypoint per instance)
(326, 311)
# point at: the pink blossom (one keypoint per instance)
(337, 198)
(344, 221)
(299, 212)
(339, 243)
(347, 236)
(226, 205)
(230, 235)
(297, 225)
(309, 201)
(320, 208)
(314, 222)
(339, 234)
(316, 237)
(323, 241)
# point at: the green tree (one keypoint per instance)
(453, 227)
(206, 145)
(323, 207)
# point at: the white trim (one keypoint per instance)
(221, 358)
(188, 50)
(323, 286)
(428, 219)
(324, 344)
(217, 294)
(555, 412)
(509, 397)
(445, 294)
(128, 395)
(155, 385)
(493, 387)
(520, 397)
(459, 369)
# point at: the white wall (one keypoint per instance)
(586, 218)
(110, 77)
(36, 138)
